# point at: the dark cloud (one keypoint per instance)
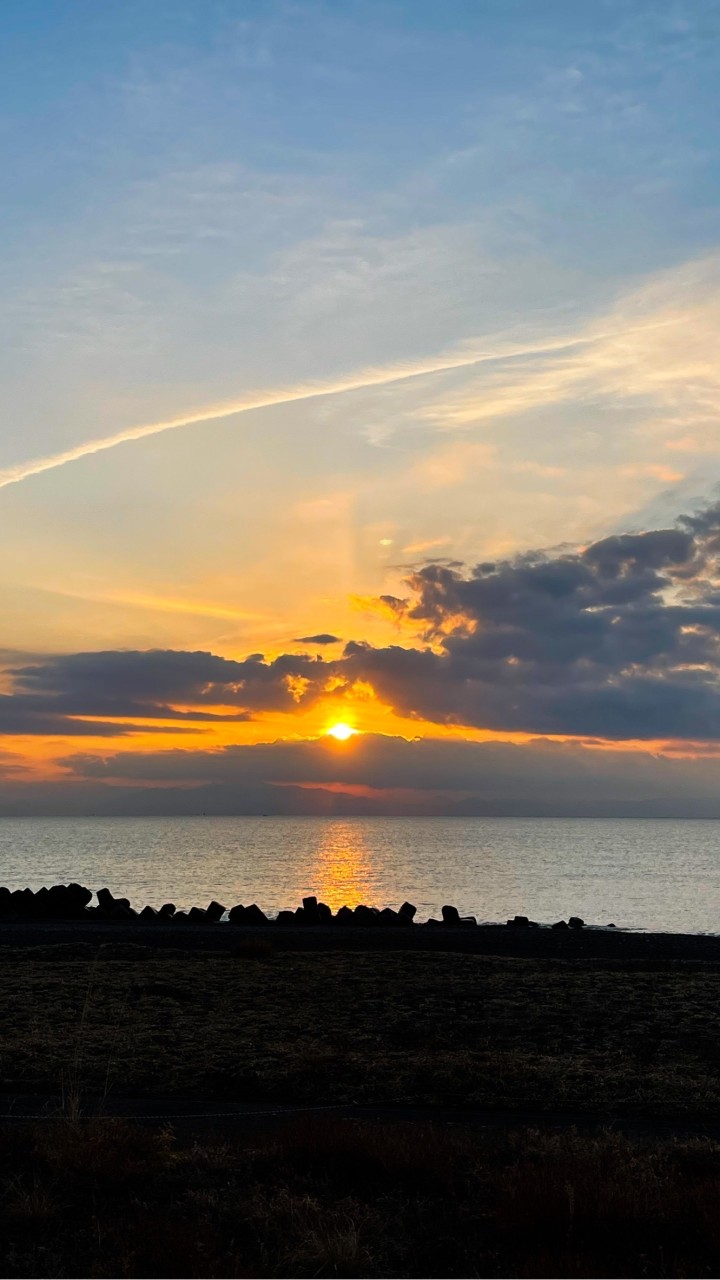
(52, 694)
(618, 640)
(384, 775)
(127, 678)
(20, 715)
(323, 638)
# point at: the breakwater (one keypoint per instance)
(75, 902)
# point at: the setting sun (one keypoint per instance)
(341, 731)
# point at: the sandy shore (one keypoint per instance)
(498, 940)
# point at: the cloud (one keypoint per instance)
(657, 342)
(323, 638)
(392, 775)
(96, 693)
(19, 717)
(361, 380)
(618, 640)
(655, 346)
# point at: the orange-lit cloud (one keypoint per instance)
(613, 647)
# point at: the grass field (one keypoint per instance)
(341, 1199)
(366, 1027)
(317, 1196)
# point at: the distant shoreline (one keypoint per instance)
(360, 817)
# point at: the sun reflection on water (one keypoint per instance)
(342, 872)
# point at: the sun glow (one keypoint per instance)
(342, 732)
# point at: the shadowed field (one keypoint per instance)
(341, 1199)
(325, 1196)
(389, 1027)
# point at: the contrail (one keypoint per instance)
(366, 378)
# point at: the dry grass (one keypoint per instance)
(368, 1027)
(323, 1197)
(342, 1199)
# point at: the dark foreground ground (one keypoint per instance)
(498, 940)
(254, 1022)
(332, 1198)
(621, 1032)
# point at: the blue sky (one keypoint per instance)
(586, 106)
(339, 289)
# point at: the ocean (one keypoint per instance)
(637, 873)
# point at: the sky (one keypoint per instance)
(359, 365)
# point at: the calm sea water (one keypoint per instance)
(639, 873)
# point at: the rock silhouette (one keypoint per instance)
(74, 902)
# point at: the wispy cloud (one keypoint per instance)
(657, 345)
(361, 380)
(155, 603)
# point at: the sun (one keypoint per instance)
(341, 731)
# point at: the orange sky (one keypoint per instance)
(301, 298)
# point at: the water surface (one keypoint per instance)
(641, 873)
